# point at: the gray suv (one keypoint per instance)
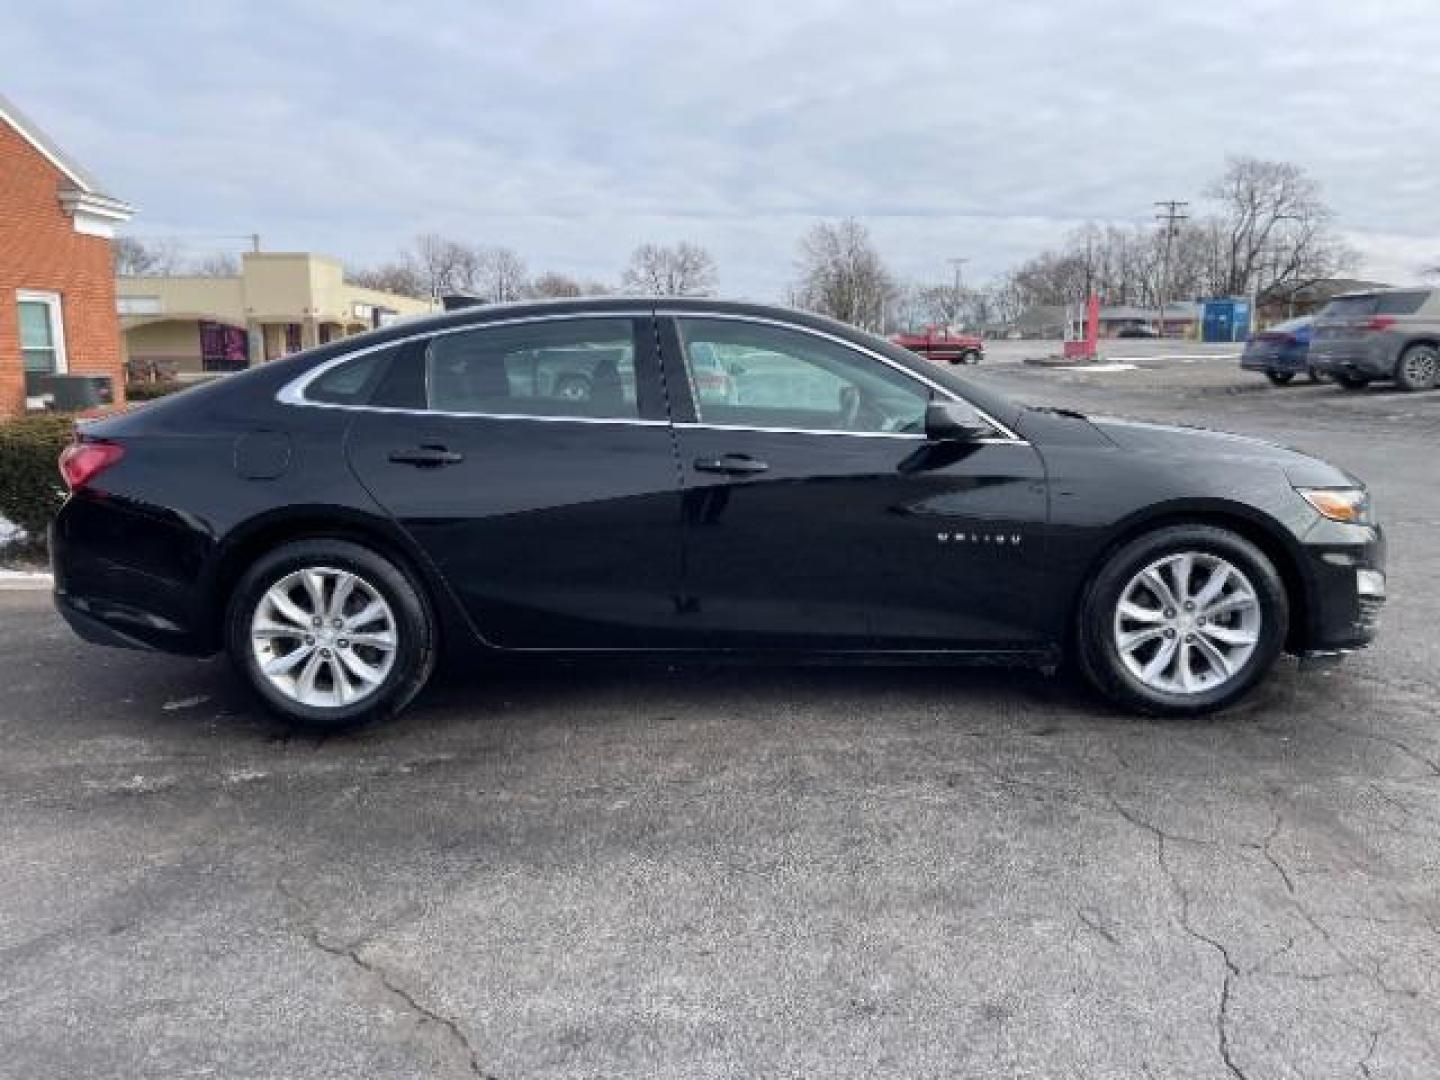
(1389, 334)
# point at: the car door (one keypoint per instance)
(818, 516)
(533, 462)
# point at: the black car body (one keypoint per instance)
(892, 510)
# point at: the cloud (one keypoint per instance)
(573, 131)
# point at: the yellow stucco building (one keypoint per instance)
(279, 303)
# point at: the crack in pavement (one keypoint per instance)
(1232, 972)
(423, 1013)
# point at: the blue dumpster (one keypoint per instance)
(1225, 319)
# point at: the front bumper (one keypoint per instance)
(1348, 587)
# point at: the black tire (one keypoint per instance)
(415, 631)
(1418, 368)
(970, 356)
(1280, 378)
(1352, 382)
(1099, 654)
(573, 388)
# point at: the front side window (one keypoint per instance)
(564, 367)
(41, 337)
(750, 375)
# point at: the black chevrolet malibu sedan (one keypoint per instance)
(690, 477)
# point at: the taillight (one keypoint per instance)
(81, 462)
(1378, 322)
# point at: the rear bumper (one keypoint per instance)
(1275, 360)
(125, 576)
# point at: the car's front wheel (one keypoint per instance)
(1280, 378)
(330, 634)
(1182, 621)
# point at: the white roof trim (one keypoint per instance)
(51, 151)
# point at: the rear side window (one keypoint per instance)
(582, 368)
(1349, 307)
(1400, 303)
(352, 382)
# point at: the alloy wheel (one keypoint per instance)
(1421, 366)
(324, 637)
(1187, 623)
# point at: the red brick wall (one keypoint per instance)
(40, 249)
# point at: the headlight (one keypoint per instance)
(1350, 505)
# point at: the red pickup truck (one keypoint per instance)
(937, 343)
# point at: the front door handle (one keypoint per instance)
(426, 457)
(731, 465)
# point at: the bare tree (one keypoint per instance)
(445, 265)
(136, 257)
(499, 274)
(1275, 227)
(683, 270)
(554, 286)
(217, 264)
(842, 275)
(400, 276)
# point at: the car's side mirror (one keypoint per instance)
(954, 421)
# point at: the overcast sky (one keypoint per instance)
(574, 131)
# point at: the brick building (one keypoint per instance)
(57, 278)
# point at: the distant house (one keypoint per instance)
(1294, 299)
(279, 303)
(57, 277)
(1180, 320)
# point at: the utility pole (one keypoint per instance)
(957, 264)
(1170, 216)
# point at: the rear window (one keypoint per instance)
(1290, 326)
(1400, 303)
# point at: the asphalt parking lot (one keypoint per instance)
(646, 871)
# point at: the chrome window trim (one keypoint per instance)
(293, 392)
(688, 425)
(951, 395)
(911, 435)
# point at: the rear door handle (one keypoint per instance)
(731, 465)
(426, 457)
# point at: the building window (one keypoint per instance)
(42, 334)
(292, 337)
(223, 348)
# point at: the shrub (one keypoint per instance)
(149, 391)
(31, 489)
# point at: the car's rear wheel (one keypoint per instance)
(330, 634)
(1182, 621)
(1280, 378)
(1352, 382)
(1419, 368)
